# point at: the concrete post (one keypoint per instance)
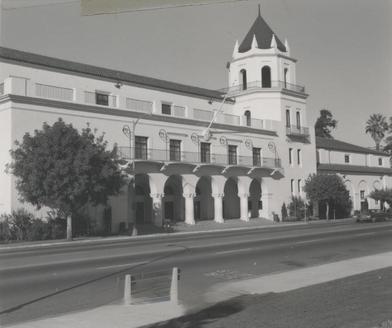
(127, 290)
(189, 209)
(218, 208)
(244, 206)
(174, 287)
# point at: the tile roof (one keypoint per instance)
(263, 35)
(334, 144)
(342, 168)
(101, 72)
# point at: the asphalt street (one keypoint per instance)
(47, 281)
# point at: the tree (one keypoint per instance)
(284, 212)
(62, 169)
(329, 190)
(325, 124)
(382, 195)
(376, 126)
(388, 140)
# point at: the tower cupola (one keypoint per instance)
(264, 36)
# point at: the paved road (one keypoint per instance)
(42, 281)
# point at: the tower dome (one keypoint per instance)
(264, 37)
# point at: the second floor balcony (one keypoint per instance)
(197, 158)
(295, 130)
(263, 86)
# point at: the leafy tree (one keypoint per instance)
(64, 169)
(325, 124)
(388, 140)
(376, 126)
(382, 195)
(329, 190)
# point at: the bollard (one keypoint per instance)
(127, 290)
(174, 287)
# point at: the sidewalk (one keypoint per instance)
(181, 229)
(120, 316)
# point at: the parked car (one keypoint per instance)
(371, 216)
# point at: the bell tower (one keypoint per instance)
(261, 72)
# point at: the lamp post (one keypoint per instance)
(129, 132)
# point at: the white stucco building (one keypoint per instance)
(362, 169)
(256, 154)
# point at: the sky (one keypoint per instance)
(343, 47)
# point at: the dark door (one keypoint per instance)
(139, 212)
(197, 210)
(169, 211)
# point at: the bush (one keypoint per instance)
(284, 212)
(297, 209)
(5, 232)
(22, 225)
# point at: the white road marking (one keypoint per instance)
(365, 234)
(120, 265)
(235, 251)
(309, 241)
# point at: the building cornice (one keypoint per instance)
(354, 169)
(110, 111)
(239, 58)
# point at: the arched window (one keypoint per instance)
(266, 77)
(248, 118)
(298, 120)
(286, 70)
(243, 79)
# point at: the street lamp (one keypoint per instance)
(130, 134)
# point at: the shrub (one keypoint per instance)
(284, 212)
(5, 232)
(22, 225)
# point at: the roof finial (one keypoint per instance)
(259, 10)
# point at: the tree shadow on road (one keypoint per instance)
(206, 316)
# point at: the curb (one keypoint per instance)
(7, 247)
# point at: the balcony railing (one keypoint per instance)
(259, 85)
(294, 130)
(163, 155)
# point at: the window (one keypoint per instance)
(286, 70)
(141, 147)
(232, 155)
(243, 79)
(347, 158)
(290, 156)
(205, 156)
(256, 156)
(299, 154)
(380, 161)
(102, 99)
(266, 77)
(299, 186)
(248, 118)
(292, 186)
(175, 150)
(288, 118)
(317, 156)
(166, 109)
(139, 105)
(298, 119)
(362, 194)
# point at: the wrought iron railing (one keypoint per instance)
(196, 157)
(294, 130)
(260, 85)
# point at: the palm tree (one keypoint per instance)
(376, 126)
